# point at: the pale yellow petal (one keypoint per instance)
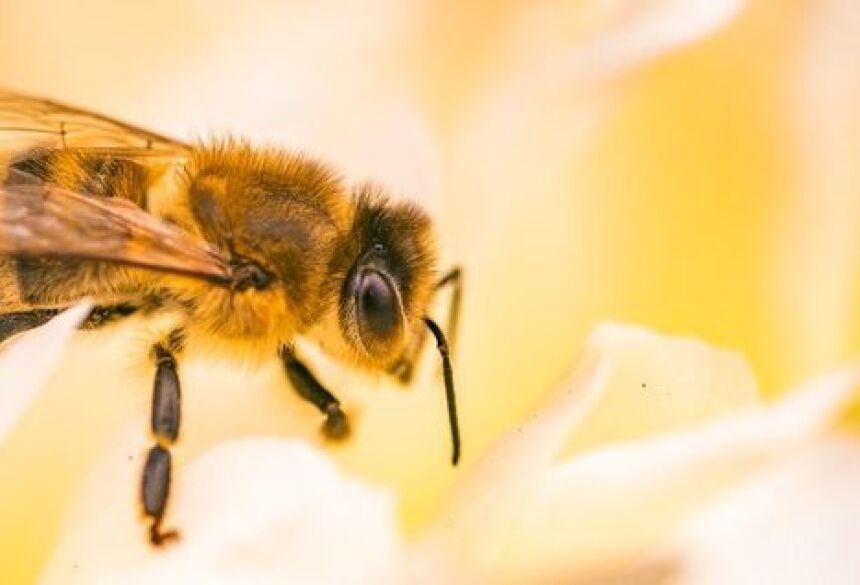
(690, 382)
(599, 37)
(815, 263)
(797, 522)
(27, 361)
(250, 511)
(612, 507)
(477, 521)
(661, 383)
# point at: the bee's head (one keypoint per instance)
(384, 269)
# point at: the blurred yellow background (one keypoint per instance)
(581, 168)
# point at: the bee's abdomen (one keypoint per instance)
(92, 173)
(48, 282)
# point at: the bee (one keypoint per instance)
(251, 247)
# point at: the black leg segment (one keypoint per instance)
(155, 490)
(166, 402)
(165, 397)
(336, 425)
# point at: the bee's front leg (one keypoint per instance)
(336, 425)
(404, 368)
(165, 430)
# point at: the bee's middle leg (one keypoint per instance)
(336, 425)
(165, 430)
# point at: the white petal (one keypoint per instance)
(249, 511)
(26, 364)
(571, 41)
(477, 521)
(815, 272)
(797, 523)
(640, 30)
(690, 382)
(661, 383)
(612, 506)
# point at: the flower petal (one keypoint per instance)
(250, 511)
(609, 507)
(798, 522)
(478, 519)
(661, 383)
(26, 364)
(638, 31)
(606, 38)
(690, 382)
(815, 272)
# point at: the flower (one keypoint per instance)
(690, 497)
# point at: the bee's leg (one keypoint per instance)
(19, 322)
(336, 425)
(12, 323)
(453, 278)
(404, 368)
(155, 487)
(106, 314)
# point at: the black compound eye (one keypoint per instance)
(378, 305)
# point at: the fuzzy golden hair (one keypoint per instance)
(286, 213)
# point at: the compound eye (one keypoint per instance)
(378, 305)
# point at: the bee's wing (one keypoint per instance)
(39, 221)
(27, 122)
(42, 220)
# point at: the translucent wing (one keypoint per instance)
(42, 220)
(27, 122)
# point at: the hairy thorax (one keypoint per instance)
(281, 213)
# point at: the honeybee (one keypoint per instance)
(251, 247)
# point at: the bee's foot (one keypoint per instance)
(336, 425)
(158, 538)
(402, 370)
